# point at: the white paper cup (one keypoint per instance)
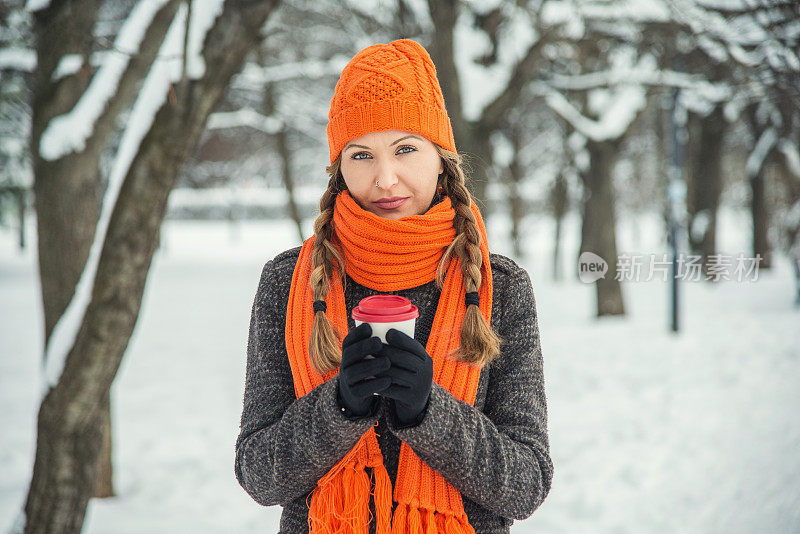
(380, 329)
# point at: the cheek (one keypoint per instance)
(359, 189)
(427, 187)
(352, 180)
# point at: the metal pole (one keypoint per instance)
(676, 195)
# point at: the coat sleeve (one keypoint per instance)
(498, 457)
(286, 444)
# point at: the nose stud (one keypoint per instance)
(376, 183)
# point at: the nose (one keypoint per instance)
(386, 175)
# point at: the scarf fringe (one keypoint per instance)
(383, 499)
(430, 522)
(341, 508)
(409, 519)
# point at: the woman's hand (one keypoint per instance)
(411, 375)
(358, 377)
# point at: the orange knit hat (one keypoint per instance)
(388, 86)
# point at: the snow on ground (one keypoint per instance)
(650, 432)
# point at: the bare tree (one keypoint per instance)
(473, 134)
(68, 189)
(73, 416)
(758, 41)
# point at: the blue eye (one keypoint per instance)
(355, 156)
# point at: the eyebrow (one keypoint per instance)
(406, 137)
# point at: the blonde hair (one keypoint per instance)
(479, 343)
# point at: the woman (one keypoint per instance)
(445, 431)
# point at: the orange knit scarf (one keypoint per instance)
(388, 255)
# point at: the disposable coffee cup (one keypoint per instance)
(383, 312)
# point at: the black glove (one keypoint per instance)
(411, 373)
(356, 391)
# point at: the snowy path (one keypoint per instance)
(650, 432)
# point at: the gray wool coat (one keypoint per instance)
(495, 452)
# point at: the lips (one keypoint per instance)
(390, 203)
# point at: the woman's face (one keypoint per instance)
(405, 165)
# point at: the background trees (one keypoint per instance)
(108, 106)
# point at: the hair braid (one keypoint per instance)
(479, 343)
(324, 343)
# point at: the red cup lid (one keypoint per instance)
(384, 309)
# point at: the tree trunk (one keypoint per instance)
(556, 250)
(516, 203)
(104, 485)
(68, 191)
(704, 176)
(70, 423)
(22, 206)
(559, 202)
(760, 216)
(288, 181)
(59, 495)
(479, 162)
(517, 213)
(759, 212)
(598, 233)
(285, 153)
(444, 14)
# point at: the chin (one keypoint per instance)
(393, 214)
(401, 214)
